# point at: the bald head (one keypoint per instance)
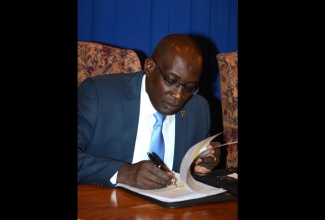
(177, 45)
(173, 72)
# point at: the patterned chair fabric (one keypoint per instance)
(228, 67)
(98, 59)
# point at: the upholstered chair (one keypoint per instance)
(228, 68)
(97, 59)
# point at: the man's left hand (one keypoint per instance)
(208, 162)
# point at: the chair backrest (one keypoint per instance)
(98, 59)
(228, 68)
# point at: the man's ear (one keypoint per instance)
(148, 66)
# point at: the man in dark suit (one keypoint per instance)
(115, 118)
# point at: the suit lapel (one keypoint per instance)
(180, 133)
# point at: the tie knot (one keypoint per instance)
(159, 117)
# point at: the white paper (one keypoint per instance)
(172, 193)
(187, 187)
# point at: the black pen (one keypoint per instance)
(162, 165)
(159, 163)
(153, 159)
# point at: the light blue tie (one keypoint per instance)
(157, 144)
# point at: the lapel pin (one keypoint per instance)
(183, 112)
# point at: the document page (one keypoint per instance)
(198, 150)
(187, 187)
(174, 193)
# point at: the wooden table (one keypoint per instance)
(98, 202)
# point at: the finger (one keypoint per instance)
(212, 151)
(215, 144)
(164, 177)
(215, 151)
(172, 176)
(152, 183)
(200, 169)
(198, 160)
(160, 176)
(209, 159)
(148, 176)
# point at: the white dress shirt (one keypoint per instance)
(145, 126)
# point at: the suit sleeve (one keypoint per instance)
(91, 169)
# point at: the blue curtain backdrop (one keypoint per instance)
(140, 25)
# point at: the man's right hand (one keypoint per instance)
(144, 175)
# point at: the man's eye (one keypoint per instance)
(171, 81)
(190, 87)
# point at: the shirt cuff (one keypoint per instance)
(113, 178)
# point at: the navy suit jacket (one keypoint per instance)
(108, 115)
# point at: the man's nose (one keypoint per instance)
(179, 91)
